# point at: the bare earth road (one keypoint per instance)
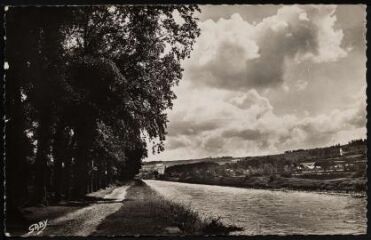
(84, 221)
(128, 210)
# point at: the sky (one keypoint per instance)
(263, 79)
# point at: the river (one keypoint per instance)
(271, 212)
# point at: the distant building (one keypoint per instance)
(308, 165)
(150, 167)
(160, 167)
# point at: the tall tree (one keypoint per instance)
(18, 146)
(126, 60)
(91, 72)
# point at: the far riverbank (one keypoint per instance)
(339, 185)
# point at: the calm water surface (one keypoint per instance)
(271, 212)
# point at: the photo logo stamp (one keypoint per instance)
(37, 227)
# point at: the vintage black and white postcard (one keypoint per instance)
(195, 120)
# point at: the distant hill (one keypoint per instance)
(219, 160)
(357, 146)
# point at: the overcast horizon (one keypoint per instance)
(268, 78)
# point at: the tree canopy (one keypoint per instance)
(86, 86)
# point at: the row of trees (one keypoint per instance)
(86, 89)
(260, 167)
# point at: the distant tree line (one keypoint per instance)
(353, 142)
(279, 164)
(86, 88)
(358, 142)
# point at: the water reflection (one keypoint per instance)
(271, 212)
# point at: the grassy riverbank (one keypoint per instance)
(145, 212)
(346, 185)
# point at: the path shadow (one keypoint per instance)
(87, 201)
(135, 218)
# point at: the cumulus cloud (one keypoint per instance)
(235, 54)
(191, 128)
(252, 101)
(247, 125)
(290, 131)
(283, 82)
(214, 144)
(175, 143)
(246, 134)
(301, 84)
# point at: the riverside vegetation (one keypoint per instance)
(86, 87)
(329, 171)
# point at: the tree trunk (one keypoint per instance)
(50, 45)
(15, 159)
(80, 173)
(60, 152)
(99, 176)
(67, 175)
(84, 139)
(41, 167)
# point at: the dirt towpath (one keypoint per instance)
(144, 213)
(83, 221)
(131, 210)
